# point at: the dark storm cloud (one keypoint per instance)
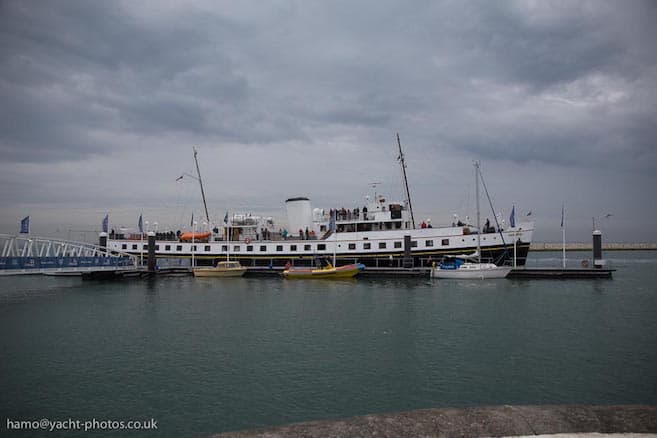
(541, 52)
(71, 68)
(270, 90)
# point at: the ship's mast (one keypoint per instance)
(476, 166)
(408, 193)
(200, 181)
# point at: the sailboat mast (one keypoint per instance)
(200, 181)
(408, 193)
(476, 166)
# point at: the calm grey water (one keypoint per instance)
(205, 356)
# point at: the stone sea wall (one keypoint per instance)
(588, 246)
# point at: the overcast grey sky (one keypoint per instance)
(102, 102)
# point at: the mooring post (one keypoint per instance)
(408, 258)
(151, 251)
(598, 261)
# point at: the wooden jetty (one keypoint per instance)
(136, 273)
(369, 272)
(558, 273)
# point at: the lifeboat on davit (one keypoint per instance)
(197, 237)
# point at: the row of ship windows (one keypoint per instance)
(293, 248)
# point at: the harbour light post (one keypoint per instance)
(598, 261)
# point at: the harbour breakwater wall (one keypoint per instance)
(582, 246)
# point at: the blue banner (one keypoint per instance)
(8, 263)
(25, 225)
(106, 223)
(512, 219)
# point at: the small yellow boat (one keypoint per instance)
(326, 272)
(223, 269)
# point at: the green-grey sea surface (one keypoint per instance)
(202, 356)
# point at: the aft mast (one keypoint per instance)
(408, 193)
(200, 181)
(476, 166)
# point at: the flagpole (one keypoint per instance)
(512, 219)
(227, 234)
(563, 239)
(563, 232)
(141, 240)
(515, 239)
(335, 244)
(334, 227)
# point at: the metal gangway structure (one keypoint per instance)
(25, 254)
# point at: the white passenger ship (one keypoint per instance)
(380, 234)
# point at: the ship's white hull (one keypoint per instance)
(374, 248)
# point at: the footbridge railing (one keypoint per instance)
(24, 254)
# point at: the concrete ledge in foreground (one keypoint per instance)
(475, 422)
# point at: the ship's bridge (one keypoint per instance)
(376, 215)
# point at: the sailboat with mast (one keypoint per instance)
(223, 268)
(470, 266)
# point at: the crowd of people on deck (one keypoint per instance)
(343, 214)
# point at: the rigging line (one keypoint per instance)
(184, 196)
(490, 202)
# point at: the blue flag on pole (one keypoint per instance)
(106, 223)
(512, 219)
(562, 209)
(226, 218)
(25, 225)
(140, 224)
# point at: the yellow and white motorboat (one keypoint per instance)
(223, 269)
(326, 272)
